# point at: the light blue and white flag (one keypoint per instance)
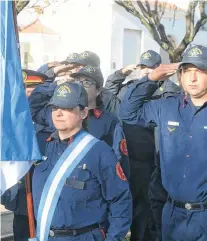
(18, 144)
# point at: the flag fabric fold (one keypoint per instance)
(18, 144)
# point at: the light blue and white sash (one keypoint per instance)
(71, 157)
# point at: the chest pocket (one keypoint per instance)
(79, 178)
(199, 137)
(172, 137)
(42, 166)
(172, 131)
(203, 132)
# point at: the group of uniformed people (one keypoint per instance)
(140, 161)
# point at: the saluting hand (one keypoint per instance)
(163, 72)
(53, 64)
(129, 69)
(63, 67)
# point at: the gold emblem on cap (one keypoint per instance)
(72, 56)
(24, 76)
(146, 55)
(195, 52)
(89, 69)
(63, 90)
(84, 55)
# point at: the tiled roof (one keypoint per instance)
(36, 27)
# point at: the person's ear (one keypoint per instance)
(84, 113)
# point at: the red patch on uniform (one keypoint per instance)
(97, 113)
(120, 172)
(123, 147)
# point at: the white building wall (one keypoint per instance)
(124, 20)
(42, 46)
(98, 26)
(84, 25)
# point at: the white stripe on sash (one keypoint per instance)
(48, 201)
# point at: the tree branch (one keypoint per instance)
(163, 10)
(149, 24)
(21, 5)
(145, 21)
(203, 19)
(160, 27)
(145, 12)
(191, 30)
(151, 19)
(156, 6)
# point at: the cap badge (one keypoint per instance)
(89, 69)
(63, 90)
(84, 55)
(195, 52)
(24, 76)
(146, 55)
(72, 56)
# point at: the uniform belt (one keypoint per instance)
(73, 232)
(188, 206)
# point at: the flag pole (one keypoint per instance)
(30, 206)
(28, 175)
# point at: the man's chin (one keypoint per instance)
(196, 95)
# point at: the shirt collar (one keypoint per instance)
(186, 100)
(56, 137)
(97, 112)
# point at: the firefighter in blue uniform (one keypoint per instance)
(72, 64)
(101, 124)
(141, 147)
(183, 140)
(149, 60)
(15, 198)
(97, 183)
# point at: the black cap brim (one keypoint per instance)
(199, 64)
(81, 74)
(61, 105)
(73, 62)
(64, 62)
(148, 64)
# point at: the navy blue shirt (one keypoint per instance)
(182, 138)
(105, 186)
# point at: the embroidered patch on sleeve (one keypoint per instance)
(123, 147)
(120, 172)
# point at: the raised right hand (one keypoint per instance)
(163, 72)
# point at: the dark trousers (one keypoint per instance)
(157, 199)
(142, 228)
(20, 228)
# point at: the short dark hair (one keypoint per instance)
(85, 121)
